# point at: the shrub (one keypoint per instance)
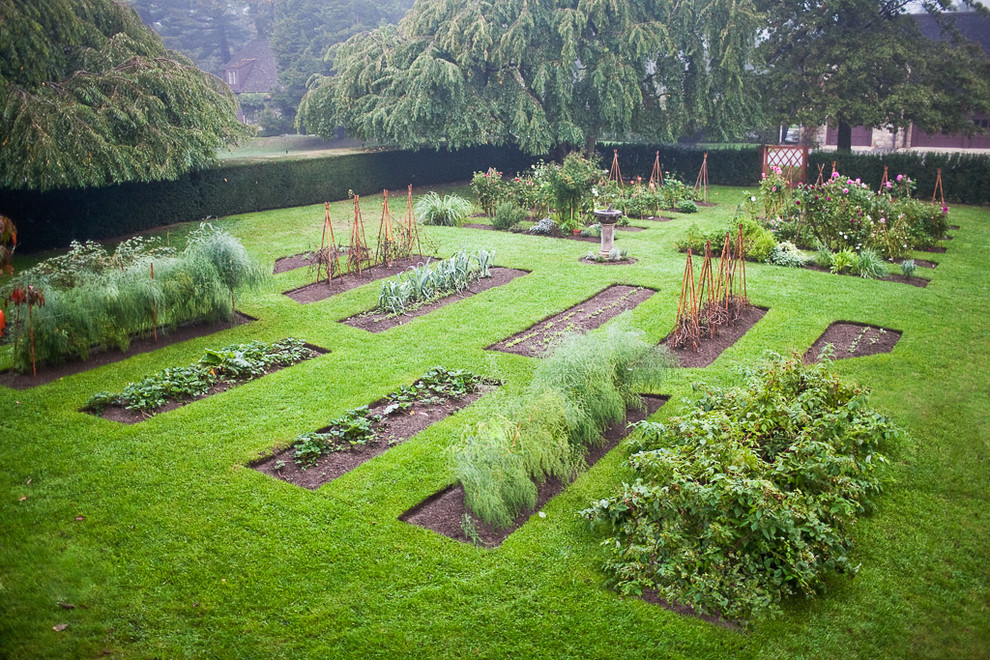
(908, 267)
(869, 265)
(490, 189)
(445, 210)
(748, 498)
(507, 215)
(844, 261)
(545, 227)
(786, 254)
(823, 256)
(687, 206)
(758, 242)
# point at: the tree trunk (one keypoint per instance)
(845, 137)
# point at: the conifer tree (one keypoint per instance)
(89, 96)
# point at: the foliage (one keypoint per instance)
(573, 186)
(687, 206)
(641, 201)
(99, 300)
(758, 242)
(103, 102)
(422, 284)
(230, 364)
(490, 189)
(444, 210)
(8, 243)
(786, 254)
(507, 216)
(615, 255)
(545, 227)
(908, 267)
(358, 426)
(584, 384)
(545, 75)
(748, 498)
(870, 265)
(674, 191)
(843, 261)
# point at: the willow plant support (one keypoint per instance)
(938, 192)
(723, 282)
(615, 174)
(710, 312)
(412, 228)
(656, 176)
(821, 175)
(386, 248)
(686, 324)
(327, 247)
(884, 180)
(740, 295)
(358, 252)
(702, 182)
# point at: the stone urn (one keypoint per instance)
(607, 219)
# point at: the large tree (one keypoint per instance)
(90, 96)
(543, 74)
(866, 62)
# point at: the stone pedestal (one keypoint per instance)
(607, 219)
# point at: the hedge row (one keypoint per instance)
(726, 166)
(52, 219)
(965, 177)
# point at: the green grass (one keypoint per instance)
(184, 552)
(288, 146)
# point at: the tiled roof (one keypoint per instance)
(975, 26)
(254, 66)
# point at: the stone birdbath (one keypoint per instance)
(607, 219)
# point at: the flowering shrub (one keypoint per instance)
(490, 189)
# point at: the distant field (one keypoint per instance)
(290, 146)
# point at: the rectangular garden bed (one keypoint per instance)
(322, 290)
(850, 339)
(444, 511)
(709, 348)
(587, 315)
(381, 321)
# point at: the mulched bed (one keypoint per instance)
(863, 339)
(924, 263)
(938, 249)
(394, 429)
(100, 358)
(889, 277)
(318, 291)
(587, 315)
(285, 264)
(710, 349)
(380, 321)
(442, 512)
(624, 262)
(125, 416)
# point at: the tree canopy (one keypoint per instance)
(90, 96)
(866, 62)
(543, 74)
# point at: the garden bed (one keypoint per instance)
(608, 262)
(913, 280)
(851, 339)
(117, 413)
(710, 348)
(322, 290)
(99, 358)
(381, 321)
(285, 264)
(924, 263)
(443, 512)
(587, 315)
(393, 429)
(937, 249)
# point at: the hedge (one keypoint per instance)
(52, 219)
(726, 166)
(965, 177)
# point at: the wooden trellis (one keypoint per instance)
(412, 229)
(329, 256)
(615, 174)
(686, 326)
(884, 180)
(656, 177)
(938, 188)
(792, 160)
(358, 253)
(385, 251)
(702, 182)
(821, 178)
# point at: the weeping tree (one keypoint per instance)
(866, 62)
(90, 96)
(542, 74)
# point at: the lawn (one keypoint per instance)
(168, 545)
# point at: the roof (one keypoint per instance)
(255, 69)
(972, 25)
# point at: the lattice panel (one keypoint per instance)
(792, 160)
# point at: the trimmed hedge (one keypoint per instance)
(53, 219)
(726, 166)
(965, 177)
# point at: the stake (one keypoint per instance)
(702, 182)
(938, 188)
(656, 177)
(615, 173)
(821, 179)
(885, 180)
(412, 229)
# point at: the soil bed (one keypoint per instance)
(593, 262)
(889, 277)
(381, 321)
(851, 340)
(710, 348)
(127, 416)
(392, 430)
(442, 512)
(322, 290)
(285, 264)
(924, 263)
(98, 358)
(588, 315)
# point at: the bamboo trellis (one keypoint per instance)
(656, 176)
(702, 182)
(357, 255)
(329, 256)
(412, 228)
(885, 180)
(686, 324)
(615, 174)
(386, 248)
(938, 188)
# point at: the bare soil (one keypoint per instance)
(285, 264)
(379, 321)
(588, 315)
(443, 512)
(99, 358)
(625, 262)
(710, 348)
(889, 277)
(126, 416)
(924, 263)
(392, 430)
(937, 249)
(322, 290)
(851, 339)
